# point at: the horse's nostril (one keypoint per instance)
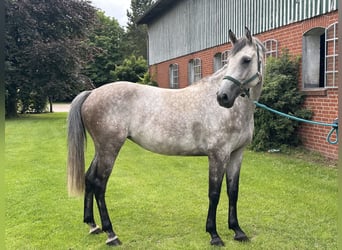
(222, 99)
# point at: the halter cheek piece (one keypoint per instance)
(245, 91)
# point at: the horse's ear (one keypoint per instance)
(232, 36)
(248, 35)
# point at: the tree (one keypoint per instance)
(106, 39)
(44, 50)
(280, 92)
(136, 35)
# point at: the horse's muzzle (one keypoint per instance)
(224, 100)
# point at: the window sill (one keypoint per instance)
(315, 92)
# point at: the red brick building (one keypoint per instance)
(189, 39)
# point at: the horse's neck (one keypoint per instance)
(256, 92)
(216, 78)
(249, 106)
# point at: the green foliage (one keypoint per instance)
(113, 44)
(132, 69)
(280, 92)
(106, 40)
(31, 100)
(56, 48)
(44, 49)
(136, 35)
(148, 80)
(160, 202)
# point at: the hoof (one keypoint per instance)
(217, 242)
(113, 241)
(95, 230)
(241, 237)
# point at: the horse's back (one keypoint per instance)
(160, 120)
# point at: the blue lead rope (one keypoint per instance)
(334, 125)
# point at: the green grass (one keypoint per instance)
(160, 202)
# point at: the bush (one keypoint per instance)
(31, 101)
(132, 69)
(280, 92)
(148, 80)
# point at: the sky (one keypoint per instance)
(114, 8)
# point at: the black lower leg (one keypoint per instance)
(211, 220)
(88, 206)
(89, 215)
(215, 182)
(233, 223)
(105, 220)
(88, 203)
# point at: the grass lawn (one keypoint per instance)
(160, 202)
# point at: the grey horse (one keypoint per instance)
(213, 118)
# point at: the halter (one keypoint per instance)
(245, 91)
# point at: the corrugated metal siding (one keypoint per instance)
(195, 25)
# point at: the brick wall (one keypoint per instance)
(324, 106)
(323, 102)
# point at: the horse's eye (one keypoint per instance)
(246, 60)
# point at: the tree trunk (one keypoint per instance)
(50, 102)
(11, 107)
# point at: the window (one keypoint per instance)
(217, 61)
(173, 76)
(195, 70)
(313, 58)
(220, 59)
(331, 56)
(224, 57)
(271, 46)
(320, 57)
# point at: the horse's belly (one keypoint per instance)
(170, 145)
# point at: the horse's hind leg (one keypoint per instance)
(96, 183)
(89, 199)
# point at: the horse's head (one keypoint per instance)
(243, 71)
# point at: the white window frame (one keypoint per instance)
(195, 70)
(217, 61)
(271, 46)
(224, 57)
(332, 41)
(174, 76)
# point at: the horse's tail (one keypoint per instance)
(76, 146)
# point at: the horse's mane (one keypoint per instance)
(242, 42)
(215, 77)
(219, 74)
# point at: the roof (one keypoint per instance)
(156, 10)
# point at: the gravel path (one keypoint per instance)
(60, 107)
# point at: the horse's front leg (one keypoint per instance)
(216, 173)
(232, 178)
